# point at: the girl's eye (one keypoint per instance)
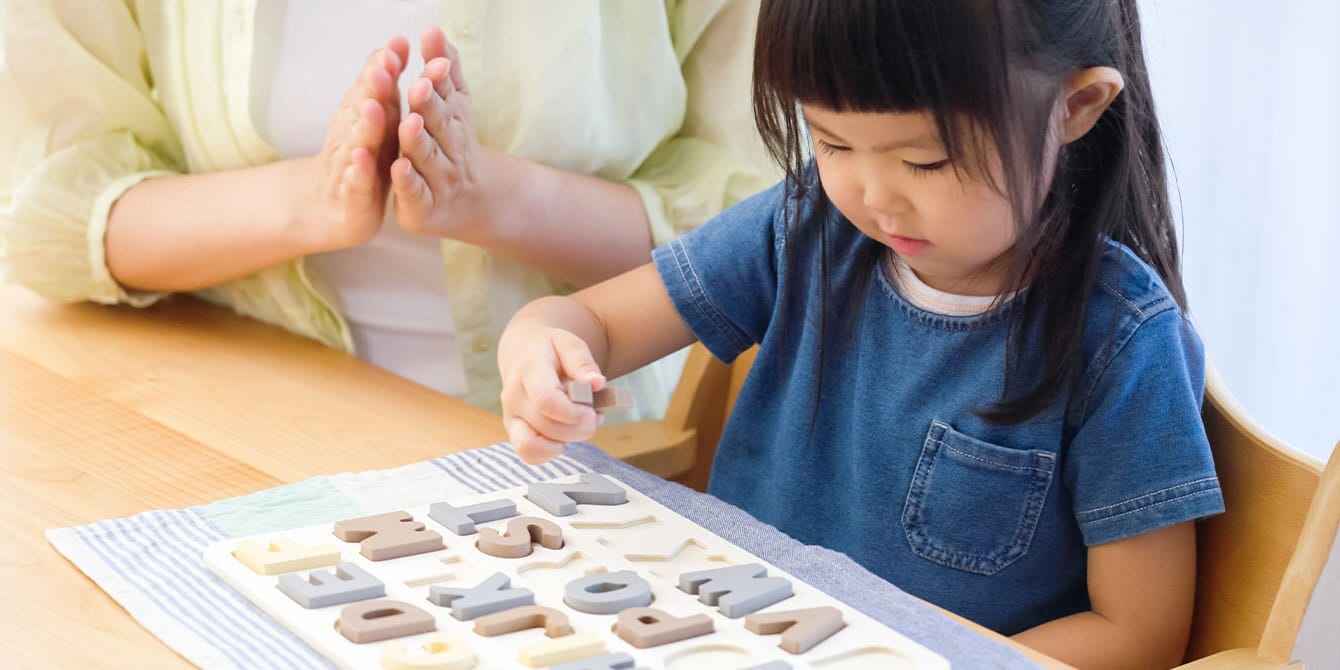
(831, 149)
(925, 168)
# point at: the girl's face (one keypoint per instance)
(888, 174)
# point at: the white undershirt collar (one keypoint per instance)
(931, 299)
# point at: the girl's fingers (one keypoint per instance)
(532, 412)
(576, 362)
(545, 405)
(551, 406)
(533, 448)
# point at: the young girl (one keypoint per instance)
(974, 372)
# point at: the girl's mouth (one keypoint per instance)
(907, 246)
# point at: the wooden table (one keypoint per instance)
(108, 412)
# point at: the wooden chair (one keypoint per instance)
(680, 446)
(1259, 562)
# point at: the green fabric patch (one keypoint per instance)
(304, 503)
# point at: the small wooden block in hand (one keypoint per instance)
(605, 399)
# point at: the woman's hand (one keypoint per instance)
(441, 177)
(343, 199)
(575, 227)
(535, 362)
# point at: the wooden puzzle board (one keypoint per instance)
(640, 536)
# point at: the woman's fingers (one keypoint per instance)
(398, 46)
(457, 74)
(411, 189)
(433, 43)
(359, 178)
(425, 101)
(371, 126)
(424, 151)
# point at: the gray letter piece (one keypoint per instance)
(738, 589)
(462, 520)
(492, 595)
(607, 593)
(560, 499)
(323, 589)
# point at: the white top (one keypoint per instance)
(391, 290)
(931, 299)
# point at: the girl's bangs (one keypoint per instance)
(881, 56)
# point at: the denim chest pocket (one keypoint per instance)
(972, 505)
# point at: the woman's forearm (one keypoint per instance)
(577, 228)
(189, 232)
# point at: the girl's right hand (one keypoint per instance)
(537, 412)
(343, 201)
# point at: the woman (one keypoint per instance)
(151, 147)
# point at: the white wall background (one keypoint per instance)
(1248, 93)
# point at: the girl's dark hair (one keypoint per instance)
(989, 72)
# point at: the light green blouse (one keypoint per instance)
(97, 96)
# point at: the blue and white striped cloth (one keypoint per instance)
(150, 563)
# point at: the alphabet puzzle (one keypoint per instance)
(577, 573)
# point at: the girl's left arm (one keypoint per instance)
(1142, 590)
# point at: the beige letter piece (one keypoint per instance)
(284, 555)
(801, 629)
(375, 620)
(389, 535)
(439, 653)
(554, 622)
(522, 532)
(645, 627)
(561, 650)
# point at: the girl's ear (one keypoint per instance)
(1087, 94)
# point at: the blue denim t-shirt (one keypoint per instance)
(991, 522)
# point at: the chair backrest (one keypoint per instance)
(680, 446)
(1305, 618)
(1242, 554)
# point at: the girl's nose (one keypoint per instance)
(882, 195)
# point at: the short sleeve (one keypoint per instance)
(723, 276)
(79, 126)
(717, 158)
(1140, 459)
